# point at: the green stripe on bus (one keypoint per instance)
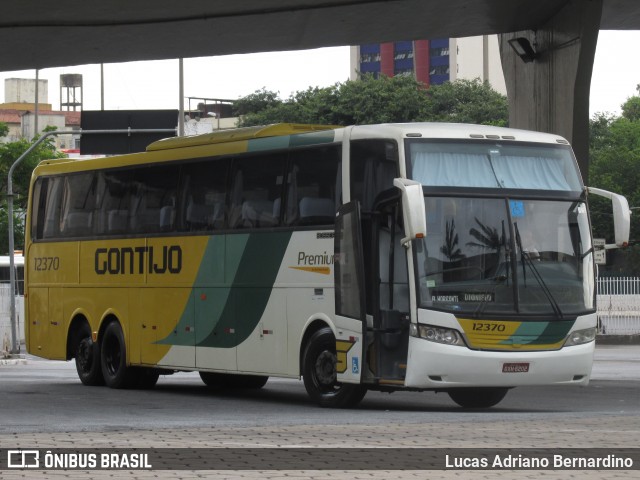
(227, 308)
(268, 144)
(325, 136)
(540, 333)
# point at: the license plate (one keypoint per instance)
(515, 367)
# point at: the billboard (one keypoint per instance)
(117, 143)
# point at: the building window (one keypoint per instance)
(439, 70)
(369, 57)
(439, 52)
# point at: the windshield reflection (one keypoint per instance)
(484, 256)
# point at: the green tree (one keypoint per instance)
(631, 108)
(256, 102)
(4, 129)
(466, 101)
(378, 100)
(614, 164)
(9, 153)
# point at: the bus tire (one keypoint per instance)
(319, 373)
(477, 397)
(88, 363)
(145, 377)
(212, 379)
(114, 358)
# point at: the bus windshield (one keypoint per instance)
(506, 256)
(493, 164)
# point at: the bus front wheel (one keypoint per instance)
(477, 397)
(114, 358)
(319, 373)
(87, 357)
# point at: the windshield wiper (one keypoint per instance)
(526, 260)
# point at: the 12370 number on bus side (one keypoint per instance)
(43, 264)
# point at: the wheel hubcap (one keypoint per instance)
(326, 369)
(84, 355)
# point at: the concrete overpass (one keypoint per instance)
(548, 94)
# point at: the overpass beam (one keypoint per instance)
(551, 93)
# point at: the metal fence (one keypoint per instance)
(5, 319)
(618, 302)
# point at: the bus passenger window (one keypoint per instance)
(312, 192)
(203, 192)
(51, 211)
(155, 196)
(115, 191)
(256, 191)
(78, 205)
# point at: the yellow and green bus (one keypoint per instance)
(437, 257)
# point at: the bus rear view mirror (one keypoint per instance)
(415, 221)
(621, 216)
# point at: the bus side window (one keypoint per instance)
(78, 205)
(38, 207)
(154, 199)
(113, 211)
(374, 165)
(311, 190)
(203, 192)
(51, 201)
(256, 192)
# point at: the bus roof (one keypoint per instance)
(453, 131)
(237, 134)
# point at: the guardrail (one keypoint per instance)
(618, 303)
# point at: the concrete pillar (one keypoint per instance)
(551, 93)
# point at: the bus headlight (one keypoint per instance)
(447, 336)
(580, 337)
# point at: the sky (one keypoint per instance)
(154, 84)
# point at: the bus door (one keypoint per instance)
(372, 295)
(349, 294)
(390, 291)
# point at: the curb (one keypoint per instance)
(13, 359)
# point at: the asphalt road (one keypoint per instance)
(46, 396)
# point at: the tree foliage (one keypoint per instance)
(378, 100)
(9, 153)
(614, 165)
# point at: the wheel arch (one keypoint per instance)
(313, 325)
(108, 318)
(79, 321)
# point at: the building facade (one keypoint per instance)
(433, 61)
(19, 114)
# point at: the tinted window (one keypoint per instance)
(204, 195)
(256, 191)
(313, 189)
(373, 168)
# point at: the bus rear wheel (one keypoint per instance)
(145, 377)
(319, 373)
(87, 355)
(114, 358)
(477, 397)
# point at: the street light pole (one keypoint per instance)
(15, 346)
